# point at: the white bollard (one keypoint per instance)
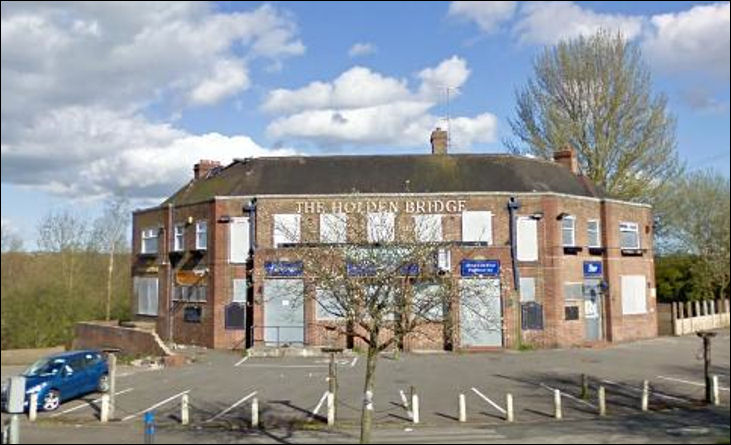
(645, 395)
(462, 409)
(602, 402)
(330, 409)
(415, 407)
(509, 414)
(255, 412)
(104, 414)
(714, 390)
(557, 413)
(184, 410)
(33, 407)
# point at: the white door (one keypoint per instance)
(481, 318)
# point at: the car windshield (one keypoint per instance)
(44, 366)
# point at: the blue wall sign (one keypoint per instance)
(472, 268)
(592, 268)
(283, 268)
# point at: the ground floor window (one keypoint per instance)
(145, 289)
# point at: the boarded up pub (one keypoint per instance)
(203, 259)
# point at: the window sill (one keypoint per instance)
(147, 255)
(572, 250)
(633, 252)
(597, 250)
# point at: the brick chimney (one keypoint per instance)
(567, 158)
(439, 142)
(201, 169)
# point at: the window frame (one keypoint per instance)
(598, 231)
(149, 283)
(147, 234)
(198, 232)
(179, 247)
(234, 286)
(571, 218)
(623, 225)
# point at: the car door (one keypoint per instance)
(74, 378)
(94, 370)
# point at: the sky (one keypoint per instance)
(104, 99)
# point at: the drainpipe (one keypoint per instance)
(513, 206)
(170, 232)
(251, 210)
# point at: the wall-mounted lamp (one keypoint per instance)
(189, 220)
(537, 216)
(562, 215)
(224, 219)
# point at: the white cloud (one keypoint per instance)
(488, 15)
(362, 49)
(691, 40)
(549, 22)
(79, 79)
(364, 108)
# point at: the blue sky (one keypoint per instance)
(102, 99)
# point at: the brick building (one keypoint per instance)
(208, 263)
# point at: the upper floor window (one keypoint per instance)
(381, 227)
(149, 240)
(201, 235)
(477, 226)
(593, 233)
(527, 239)
(629, 235)
(238, 240)
(568, 231)
(428, 228)
(333, 227)
(179, 238)
(286, 229)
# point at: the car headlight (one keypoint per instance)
(36, 388)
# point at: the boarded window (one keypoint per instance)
(444, 260)
(333, 228)
(239, 291)
(235, 316)
(477, 226)
(629, 235)
(571, 313)
(593, 233)
(428, 228)
(238, 238)
(573, 291)
(527, 289)
(192, 314)
(381, 227)
(568, 232)
(531, 316)
(527, 239)
(146, 291)
(201, 235)
(286, 229)
(634, 296)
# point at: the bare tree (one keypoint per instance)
(594, 94)
(379, 285)
(65, 233)
(11, 241)
(110, 236)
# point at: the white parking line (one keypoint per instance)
(87, 405)
(563, 394)
(237, 403)
(241, 361)
(158, 404)
(688, 382)
(355, 360)
(319, 405)
(652, 393)
(486, 399)
(284, 366)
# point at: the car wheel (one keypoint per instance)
(103, 383)
(52, 400)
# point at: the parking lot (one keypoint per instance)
(221, 385)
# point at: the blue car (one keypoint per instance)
(64, 376)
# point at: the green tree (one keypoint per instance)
(594, 94)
